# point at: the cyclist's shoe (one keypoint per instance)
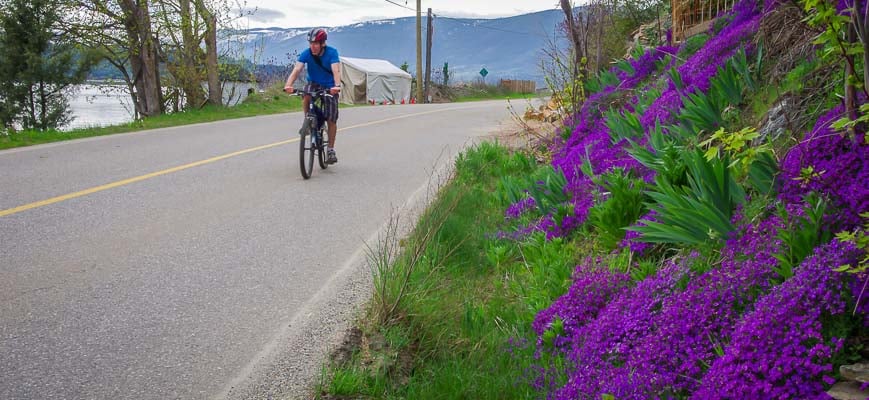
(331, 158)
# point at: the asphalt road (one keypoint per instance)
(195, 262)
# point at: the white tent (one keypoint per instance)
(365, 79)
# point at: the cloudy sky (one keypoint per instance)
(327, 13)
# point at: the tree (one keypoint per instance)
(212, 67)
(38, 65)
(576, 35)
(9, 98)
(121, 32)
(142, 38)
(143, 55)
(185, 25)
(844, 35)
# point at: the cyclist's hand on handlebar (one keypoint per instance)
(289, 89)
(335, 90)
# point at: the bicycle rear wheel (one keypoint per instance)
(306, 153)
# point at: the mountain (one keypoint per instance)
(509, 48)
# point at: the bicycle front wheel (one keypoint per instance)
(306, 153)
(321, 149)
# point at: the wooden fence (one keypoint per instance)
(518, 86)
(694, 16)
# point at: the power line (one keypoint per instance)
(400, 5)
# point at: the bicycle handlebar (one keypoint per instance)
(316, 93)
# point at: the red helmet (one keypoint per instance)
(317, 35)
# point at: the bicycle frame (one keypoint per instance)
(316, 97)
(314, 124)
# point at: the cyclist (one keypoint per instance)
(324, 72)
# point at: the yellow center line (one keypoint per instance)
(140, 178)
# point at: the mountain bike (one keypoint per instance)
(313, 137)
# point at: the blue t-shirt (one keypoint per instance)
(317, 74)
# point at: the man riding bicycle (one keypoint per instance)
(324, 68)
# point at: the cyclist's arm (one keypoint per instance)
(297, 69)
(336, 72)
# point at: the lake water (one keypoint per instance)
(95, 105)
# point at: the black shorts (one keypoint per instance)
(330, 104)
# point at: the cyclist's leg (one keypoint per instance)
(331, 113)
(306, 100)
(305, 125)
(333, 129)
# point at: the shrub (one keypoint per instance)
(619, 206)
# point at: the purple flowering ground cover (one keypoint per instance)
(778, 349)
(700, 67)
(590, 139)
(718, 324)
(839, 168)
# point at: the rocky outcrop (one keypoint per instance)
(857, 375)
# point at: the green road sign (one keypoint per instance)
(484, 72)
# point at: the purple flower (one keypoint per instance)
(600, 348)
(593, 287)
(630, 240)
(830, 163)
(700, 67)
(644, 66)
(520, 207)
(696, 323)
(778, 349)
(703, 328)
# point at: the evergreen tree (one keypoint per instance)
(37, 67)
(9, 64)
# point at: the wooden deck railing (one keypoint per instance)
(694, 16)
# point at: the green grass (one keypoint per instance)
(495, 96)
(259, 104)
(479, 92)
(467, 294)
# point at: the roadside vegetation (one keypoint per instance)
(693, 227)
(256, 106)
(478, 90)
(450, 312)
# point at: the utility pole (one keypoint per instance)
(428, 58)
(419, 51)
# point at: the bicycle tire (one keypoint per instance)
(321, 151)
(306, 153)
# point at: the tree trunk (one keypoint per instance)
(598, 62)
(143, 57)
(578, 70)
(850, 91)
(42, 123)
(212, 68)
(861, 19)
(573, 32)
(190, 75)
